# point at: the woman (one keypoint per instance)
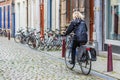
(78, 19)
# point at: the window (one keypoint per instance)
(113, 29)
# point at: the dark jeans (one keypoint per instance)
(75, 44)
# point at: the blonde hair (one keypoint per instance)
(77, 14)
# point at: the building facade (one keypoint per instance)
(86, 7)
(55, 14)
(52, 8)
(102, 17)
(112, 24)
(6, 15)
(20, 14)
(27, 14)
(93, 12)
(34, 14)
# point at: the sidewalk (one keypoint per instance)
(101, 64)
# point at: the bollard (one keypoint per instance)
(8, 35)
(63, 47)
(109, 60)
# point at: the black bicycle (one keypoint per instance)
(83, 58)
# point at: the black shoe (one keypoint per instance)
(71, 62)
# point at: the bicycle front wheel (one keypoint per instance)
(17, 38)
(85, 64)
(68, 59)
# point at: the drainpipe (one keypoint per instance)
(103, 19)
(42, 18)
(91, 20)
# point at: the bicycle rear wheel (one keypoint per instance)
(85, 64)
(32, 42)
(68, 59)
(4, 33)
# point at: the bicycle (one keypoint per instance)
(3, 33)
(24, 36)
(83, 57)
(18, 36)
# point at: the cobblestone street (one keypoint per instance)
(19, 62)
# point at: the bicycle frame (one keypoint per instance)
(89, 54)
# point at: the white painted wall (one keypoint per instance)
(55, 14)
(98, 23)
(45, 14)
(20, 12)
(34, 14)
(37, 15)
(29, 13)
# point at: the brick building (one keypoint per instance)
(6, 15)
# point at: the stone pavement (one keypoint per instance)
(19, 62)
(101, 64)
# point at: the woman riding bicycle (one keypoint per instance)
(78, 19)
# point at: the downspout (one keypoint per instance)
(91, 20)
(103, 25)
(42, 18)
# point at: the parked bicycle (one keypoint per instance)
(3, 33)
(19, 35)
(24, 37)
(50, 41)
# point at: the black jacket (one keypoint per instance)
(73, 25)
